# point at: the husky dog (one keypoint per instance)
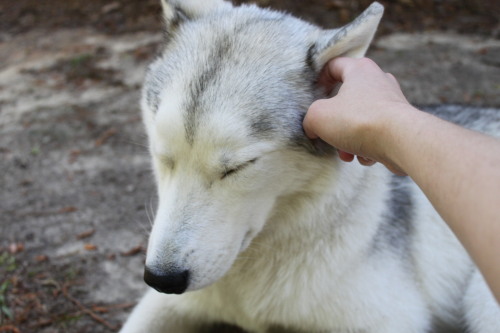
(262, 228)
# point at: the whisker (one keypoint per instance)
(144, 229)
(151, 211)
(134, 143)
(150, 216)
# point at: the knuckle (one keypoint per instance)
(367, 62)
(391, 77)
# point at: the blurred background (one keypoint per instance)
(76, 192)
(107, 16)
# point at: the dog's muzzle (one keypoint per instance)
(172, 282)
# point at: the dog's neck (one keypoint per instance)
(322, 218)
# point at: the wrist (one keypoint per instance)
(397, 134)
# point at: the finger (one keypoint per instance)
(365, 161)
(317, 119)
(332, 75)
(346, 157)
(309, 132)
(392, 77)
(327, 82)
(312, 118)
(334, 70)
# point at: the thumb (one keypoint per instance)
(316, 120)
(308, 129)
(308, 123)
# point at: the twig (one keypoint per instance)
(105, 136)
(86, 310)
(63, 210)
(9, 328)
(133, 251)
(123, 306)
(44, 322)
(85, 234)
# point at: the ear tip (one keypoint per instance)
(376, 8)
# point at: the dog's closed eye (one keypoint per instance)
(231, 171)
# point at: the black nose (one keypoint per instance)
(172, 282)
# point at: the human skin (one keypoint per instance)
(457, 169)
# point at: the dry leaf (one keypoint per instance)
(90, 247)
(41, 258)
(85, 234)
(68, 209)
(133, 251)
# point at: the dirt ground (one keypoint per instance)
(76, 192)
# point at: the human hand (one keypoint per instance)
(357, 120)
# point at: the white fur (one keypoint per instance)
(292, 238)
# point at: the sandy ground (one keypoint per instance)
(76, 192)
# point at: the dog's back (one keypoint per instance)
(482, 119)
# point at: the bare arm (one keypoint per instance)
(457, 169)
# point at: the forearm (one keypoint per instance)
(459, 171)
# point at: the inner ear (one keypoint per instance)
(351, 40)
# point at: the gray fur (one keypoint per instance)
(156, 79)
(208, 77)
(473, 117)
(395, 232)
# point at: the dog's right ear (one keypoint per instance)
(351, 40)
(177, 11)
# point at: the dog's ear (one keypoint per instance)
(352, 40)
(177, 11)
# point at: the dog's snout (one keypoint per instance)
(172, 282)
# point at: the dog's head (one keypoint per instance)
(223, 108)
